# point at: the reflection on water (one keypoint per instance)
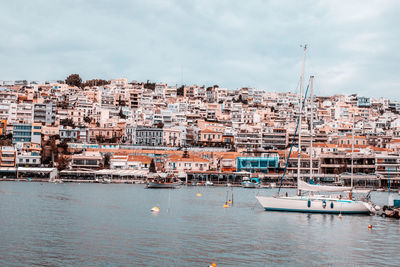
(102, 225)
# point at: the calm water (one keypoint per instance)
(111, 225)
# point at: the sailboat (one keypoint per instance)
(312, 203)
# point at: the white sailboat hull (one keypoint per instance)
(314, 205)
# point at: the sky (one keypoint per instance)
(352, 45)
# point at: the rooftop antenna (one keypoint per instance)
(181, 74)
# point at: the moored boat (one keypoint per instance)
(250, 182)
(314, 203)
(170, 182)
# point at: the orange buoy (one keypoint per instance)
(213, 264)
(340, 216)
(155, 209)
(370, 226)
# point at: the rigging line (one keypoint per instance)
(291, 146)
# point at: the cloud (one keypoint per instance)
(352, 45)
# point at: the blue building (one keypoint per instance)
(27, 133)
(257, 164)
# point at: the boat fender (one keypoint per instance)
(309, 203)
(324, 204)
(331, 205)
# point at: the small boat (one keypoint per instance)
(251, 182)
(164, 183)
(208, 183)
(106, 181)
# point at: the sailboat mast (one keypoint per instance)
(300, 115)
(311, 125)
(352, 151)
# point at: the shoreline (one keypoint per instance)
(383, 190)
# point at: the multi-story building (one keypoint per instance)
(44, 113)
(7, 156)
(28, 159)
(149, 136)
(276, 138)
(27, 133)
(338, 163)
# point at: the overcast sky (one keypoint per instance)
(353, 45)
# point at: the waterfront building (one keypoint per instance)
(258, 164)
(338, 163)
(28, 159)
(91, 160)
(183, 164)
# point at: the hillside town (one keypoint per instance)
(73, 130)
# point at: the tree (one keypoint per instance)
(62, 162)
(152, 167)
(67, 122)
(180, 91)
(121, 114)
(106, 159)
(95, 82)
(87, 119)
(74, 80)
(159, 125)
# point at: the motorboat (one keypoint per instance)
(169, 182)
(251, 182)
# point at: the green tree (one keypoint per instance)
(106, 160)
(74, 80)
(152, 167)
(95, 82)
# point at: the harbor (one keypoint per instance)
(57, 224)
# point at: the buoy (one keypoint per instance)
(370, 226)
(229, 202)
(226, 206)
(340, 216)
(155, 209)
(199, 194)
(213, 264)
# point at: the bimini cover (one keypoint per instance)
(316, 187)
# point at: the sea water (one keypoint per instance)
(111, 225)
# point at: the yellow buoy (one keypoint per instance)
(229, 202)
(226, 206)
(199, 194)
(155, 209)
(370, 226)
